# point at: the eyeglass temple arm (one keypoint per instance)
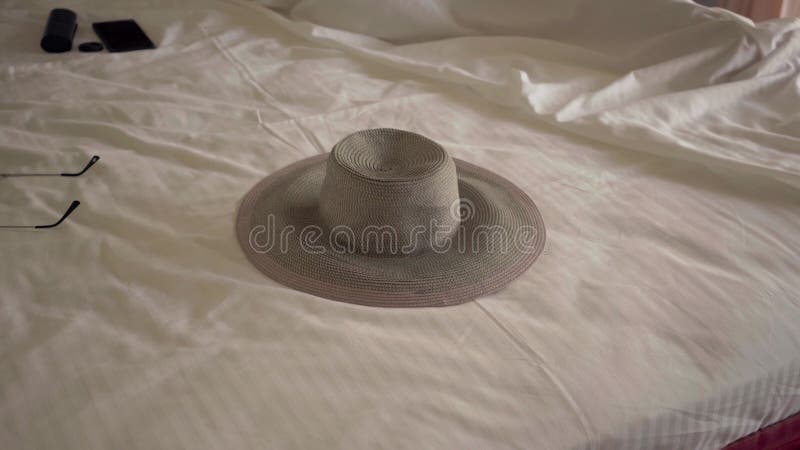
(94, 159)
(71, 208)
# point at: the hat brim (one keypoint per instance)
(280, 231)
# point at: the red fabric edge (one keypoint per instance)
(783, 435)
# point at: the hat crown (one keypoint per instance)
(389, 192)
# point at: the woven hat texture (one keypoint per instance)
(389, 219)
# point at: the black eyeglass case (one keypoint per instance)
(59, 31)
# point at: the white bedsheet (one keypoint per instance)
(663, 314)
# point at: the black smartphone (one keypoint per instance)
(122, 36)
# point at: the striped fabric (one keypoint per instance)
(717, 420)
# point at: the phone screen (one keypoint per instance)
(122, 36)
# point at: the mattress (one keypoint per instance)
(660, 145)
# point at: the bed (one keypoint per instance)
(659, 140)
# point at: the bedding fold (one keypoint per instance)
(666, 77)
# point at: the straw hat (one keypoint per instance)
(388, 219)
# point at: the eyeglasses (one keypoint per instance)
(74, 205)
(91, 162)
(71, 208)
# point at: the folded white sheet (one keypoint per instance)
(663, 313)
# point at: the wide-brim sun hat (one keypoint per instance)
(389, 219)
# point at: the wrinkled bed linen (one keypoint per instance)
(667, 77)
(662, 314)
